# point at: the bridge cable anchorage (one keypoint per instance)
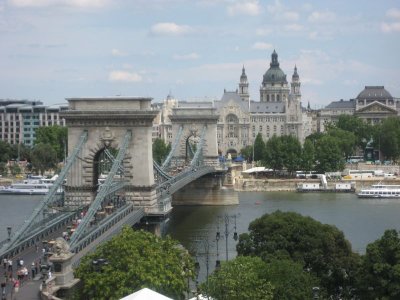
(198, 157)
(23, 231)
(105, 189)
(167, 161)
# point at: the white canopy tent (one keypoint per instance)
(146, 294)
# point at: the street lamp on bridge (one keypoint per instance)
(9, 232)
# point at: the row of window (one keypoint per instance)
(267, 119)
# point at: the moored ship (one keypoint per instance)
(380, 191)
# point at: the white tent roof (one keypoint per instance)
(257, 169)
(146, 294)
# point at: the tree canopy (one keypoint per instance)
(380, 272)
(160, 150)
(319, 248)
(237, 279)
(136, 259)
(44, 157)
(56, 136)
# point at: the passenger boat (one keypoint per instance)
(36, 186)
(380, 191)
(26, 188)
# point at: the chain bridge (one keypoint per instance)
(110, 179)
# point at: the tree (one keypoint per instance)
(44, 157)
(380, 272)
(5, 151)
(346, 141)
(136, 259)
(273, 154)
(237, 279)
(328, 155)
(160, 150)
(389, 138)
(290, 280)
(247, 153)
(259, 146)
(291, 153)
(308, 156)
(360, 129)
(56, 136)
(319, 248)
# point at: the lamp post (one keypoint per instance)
(9, 232)
(315, 291)
(226, 233)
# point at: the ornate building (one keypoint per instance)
(278, 112)
(373, 104)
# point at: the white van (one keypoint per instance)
(389, 176)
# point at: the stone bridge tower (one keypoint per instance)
(106, 121)
(190, 121)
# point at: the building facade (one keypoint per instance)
(19, 119)
(278, 111)
(373, 104)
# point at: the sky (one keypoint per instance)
(194, 49)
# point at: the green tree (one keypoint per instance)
(380, 272)
(5, 151)
(160, 150)
(290, 280)
(44, 158)
(328, 155)
(136, 259)
(319, 248)
(360, 129)
(56, 136)
(237, 279)
(346, 141)
(389, 138)
(3, 169)
(259, 147)
(247, 153)
(308, 156)
(291, 153)
(273, 154)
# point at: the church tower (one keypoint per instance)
(295, 84)
(244, 87)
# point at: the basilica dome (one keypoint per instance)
(274, 73)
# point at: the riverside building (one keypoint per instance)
(20, 118)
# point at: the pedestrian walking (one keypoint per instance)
(5, 262)
(33, 271)
(10, 265)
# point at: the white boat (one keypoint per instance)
(380, 191)
(36, 186)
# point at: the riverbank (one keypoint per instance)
(290, 185)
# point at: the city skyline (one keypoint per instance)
(56, 49)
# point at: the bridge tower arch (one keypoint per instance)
(189, 124)
(106, 121)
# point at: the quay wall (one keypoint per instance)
(275, 185)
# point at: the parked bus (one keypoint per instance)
(355, 159)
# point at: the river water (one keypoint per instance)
(362, 220)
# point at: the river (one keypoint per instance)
(362, 220)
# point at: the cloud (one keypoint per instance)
(393, 13)
(290, 16)
(251, 8)
(124, 76)
(390, 27)
(169, 29)
(71, 3)
(263, 31)
(293, 27)
(321, 17)
(116, 52)
(261, 46)
(190, 56)
(277, 7)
